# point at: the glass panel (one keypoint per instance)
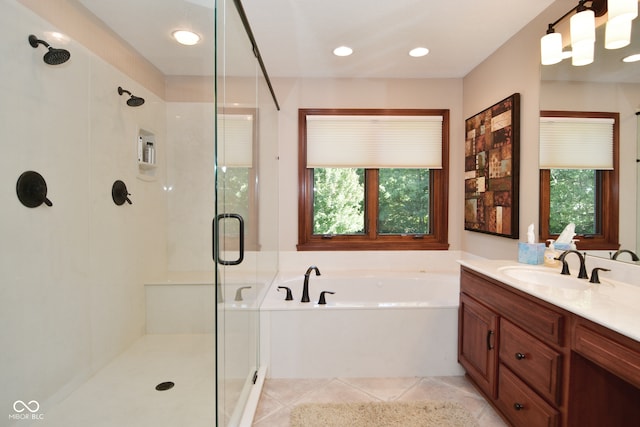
(338, 201)
(247, 235)
(573, 198)
(403, 200)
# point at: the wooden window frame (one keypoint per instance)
(370, 240)
(608, 205)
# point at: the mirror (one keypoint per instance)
(610, 85)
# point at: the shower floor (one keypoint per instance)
(123, 393)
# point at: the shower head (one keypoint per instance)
(53, 56)
(133, 101)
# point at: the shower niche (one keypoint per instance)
(146, 154)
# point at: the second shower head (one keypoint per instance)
(53, 56)
(133, 101)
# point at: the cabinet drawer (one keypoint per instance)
(521, 405)
(622, 360)
(536, 319)
(534, 362)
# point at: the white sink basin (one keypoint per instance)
(544, 278)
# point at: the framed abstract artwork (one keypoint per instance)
(492, 157)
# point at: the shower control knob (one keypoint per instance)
(119, 193)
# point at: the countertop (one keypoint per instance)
(613, 304)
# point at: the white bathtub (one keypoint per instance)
(381, 324)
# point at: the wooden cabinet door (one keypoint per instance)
(477, 342)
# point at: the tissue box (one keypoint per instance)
(562, 246)
(531, 253)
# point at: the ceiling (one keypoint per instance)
(296, 37)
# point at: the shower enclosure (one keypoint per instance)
(127, 223)
(245, 242)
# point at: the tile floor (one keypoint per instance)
(123, 393)
(280, 396)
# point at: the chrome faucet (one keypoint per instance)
(305, 287)
(634, 257)
(565, 267)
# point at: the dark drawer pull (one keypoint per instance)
(520, 356)
(518, 406)
(489, 335)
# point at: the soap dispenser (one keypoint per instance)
(550, 255)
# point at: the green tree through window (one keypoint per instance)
(573, 199)
(338, 201)
(404, 201)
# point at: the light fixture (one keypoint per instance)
(617, 34)
(632, 58)
(583, 30)
(583, 35)
(342, 51)
(551, 47)
(418, 52)
(188, 38)
(626, 10)
(582, 53)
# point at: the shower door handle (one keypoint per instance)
(215, 236)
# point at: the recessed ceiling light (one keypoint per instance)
(342, 51)
(418, 52)
(632, 58)
(188, 38)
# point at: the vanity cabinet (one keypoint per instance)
(512, 349)
(476, 345)
(540, 365)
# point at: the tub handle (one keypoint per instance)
(322, 299)
(239, 293)
(289, 297)
(489, 335)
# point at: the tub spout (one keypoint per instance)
(305, 286)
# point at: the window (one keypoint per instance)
(373, 179)
(579, 177)
(237, 176)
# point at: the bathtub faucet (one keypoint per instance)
(305, 287)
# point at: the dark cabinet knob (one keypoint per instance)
(518, 406)
(520, 356)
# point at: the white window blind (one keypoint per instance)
(235, 140)
(374, 141)
(576, 143)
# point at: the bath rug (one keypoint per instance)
(382, 414)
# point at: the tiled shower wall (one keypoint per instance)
(71, 275)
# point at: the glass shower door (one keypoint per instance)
(245, 224)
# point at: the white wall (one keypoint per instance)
(513, 67)
(190, 184)
(364, 93)
(71, 275)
